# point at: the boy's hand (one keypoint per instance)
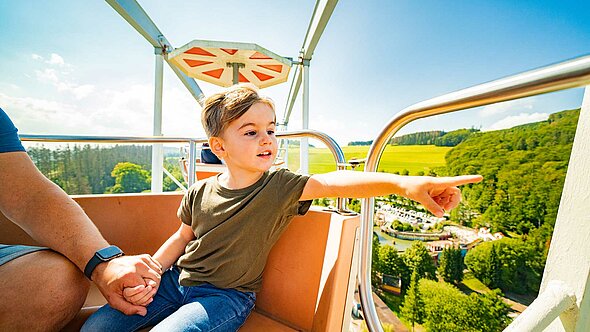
(141, 295)
(114, 276)
(437, 195)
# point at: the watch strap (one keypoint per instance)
(97, 259)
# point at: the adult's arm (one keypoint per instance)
(53, 219)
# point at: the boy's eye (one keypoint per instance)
(270, 132)
(250, 133)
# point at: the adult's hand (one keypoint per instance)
(126, 271)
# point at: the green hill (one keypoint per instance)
(524, 169)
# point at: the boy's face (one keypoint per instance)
(249, 142)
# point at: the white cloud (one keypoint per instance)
(47, 76)
(56, 59)
(515, 120)
(511, 105)
(52, 76)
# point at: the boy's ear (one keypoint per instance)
(216, 146)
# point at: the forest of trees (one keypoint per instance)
(359, 143)
(438, 304)
(437, 137)
(93, 170)
(524, 169)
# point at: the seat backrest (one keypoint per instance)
(306, 277)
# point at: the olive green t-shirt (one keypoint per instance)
(235, 229)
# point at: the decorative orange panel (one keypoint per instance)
(199, 51)
(196, 63)
(261, 76)
(258, 55)
(214, 73)
(276, 68)
(229, 51)
(242, 79)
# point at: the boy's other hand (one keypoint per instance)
(437, 195)
(141, 295)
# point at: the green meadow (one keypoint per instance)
(414, 158)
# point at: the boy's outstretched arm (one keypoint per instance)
(435, 194)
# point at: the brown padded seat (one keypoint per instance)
(306, 280)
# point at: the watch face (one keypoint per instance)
(109, 252)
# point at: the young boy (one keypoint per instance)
(230, 222)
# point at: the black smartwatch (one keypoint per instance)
(101, 256)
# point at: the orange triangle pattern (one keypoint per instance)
(229, 51)
(242, 79)
(216, 73)
(261, 76)
(199, 51)
(258, 55)
(275, 68)
(196, 63)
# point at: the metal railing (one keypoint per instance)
(325, 139)
(561, 76)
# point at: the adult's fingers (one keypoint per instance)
(127, 308)
(130, 292)
(459, 180)
(139, 297)
(151, 275)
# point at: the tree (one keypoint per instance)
(447, 309)
(376, 262)
(129, 178)
(418, 259)
(412, 308)
(509, 264)
(450, 265)
(392, 263)
(495, 268)
(490, 310)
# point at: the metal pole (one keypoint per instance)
(157, 149)
(235, 66)
(304, 150)
(192, 158)
(236, 73)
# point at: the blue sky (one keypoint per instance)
(76, 67)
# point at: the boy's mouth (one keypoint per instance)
(264, 154)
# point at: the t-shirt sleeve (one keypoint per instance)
(9, 141)
(185, 208)
(291, 187)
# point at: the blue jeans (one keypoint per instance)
(180, 308)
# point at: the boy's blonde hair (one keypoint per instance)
(224, 107)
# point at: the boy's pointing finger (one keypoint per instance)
(460, 180)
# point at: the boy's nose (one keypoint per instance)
(266, 139)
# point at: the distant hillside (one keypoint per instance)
(360, 143)
(437, 137)
(524, 169)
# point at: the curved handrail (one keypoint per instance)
(561, 76)
(324, 138)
